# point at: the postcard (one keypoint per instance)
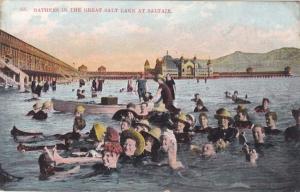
(149, 95)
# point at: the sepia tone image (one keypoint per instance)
(149, 95)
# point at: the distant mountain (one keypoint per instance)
(275, 60)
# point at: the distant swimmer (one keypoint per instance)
(141, 86)
(80, 94)
(53, 85)
(200, 107)
(130, 85)
(228, 95)
(171, 84)
(81, 82)
(264, 107)
(238, 100)
(196, 97)
(38, 89)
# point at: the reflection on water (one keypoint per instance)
(277, 170)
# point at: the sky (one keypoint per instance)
(122, 41)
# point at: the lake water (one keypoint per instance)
(277, 170)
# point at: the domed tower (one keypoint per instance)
(146, 66)
(101, 69)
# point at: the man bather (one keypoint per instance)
(271, 119)
(141, 86)
(203, 127)
(164, 94)
(224, 131)
(293, 133)
(242, 119)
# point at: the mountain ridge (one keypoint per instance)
(274, 60)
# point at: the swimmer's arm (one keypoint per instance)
(71, 160)
(172, 157)
(80, 160)
(64, 174)
(78, 154)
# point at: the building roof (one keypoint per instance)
(170, 63)
(102, 67)
(201, 63)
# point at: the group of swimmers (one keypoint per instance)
(39, 86)
(150, 134)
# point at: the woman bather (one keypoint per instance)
(152, 145)
(142, 125)
(133, 144)
(36, 108)
(200, 107)
(43, 113)
(191, 120)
